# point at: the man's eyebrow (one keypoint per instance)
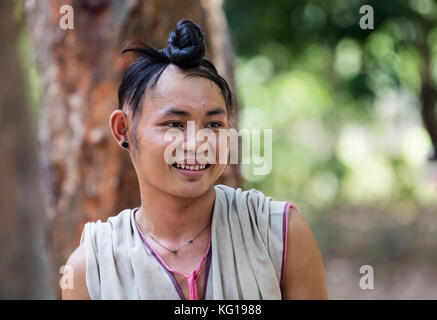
(174, 111)
(218, 110)
(179, 112)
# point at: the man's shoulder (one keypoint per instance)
(238, 192)
(111, 220)
(255, 196)
(101, 230)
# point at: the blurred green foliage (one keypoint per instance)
(343, 102)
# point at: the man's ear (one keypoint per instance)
(118, 122)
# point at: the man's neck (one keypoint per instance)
(173, 218)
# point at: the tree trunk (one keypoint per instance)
(86, 175)
(428, 95)
(24, 267)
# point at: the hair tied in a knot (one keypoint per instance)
(186, 47)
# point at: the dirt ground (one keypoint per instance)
(404, 280)
(400, 247)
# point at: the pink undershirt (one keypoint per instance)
(192, 277)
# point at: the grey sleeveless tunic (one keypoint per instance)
(246, 258)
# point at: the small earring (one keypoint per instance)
(125, 144)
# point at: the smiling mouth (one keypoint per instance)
(191, 167)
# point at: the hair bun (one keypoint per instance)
(186, 47)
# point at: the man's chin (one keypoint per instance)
(190, 189)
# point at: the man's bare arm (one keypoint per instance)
(304, 271)
(79, 291)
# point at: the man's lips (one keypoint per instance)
(190, 163)
(192, 171)
(191, 167)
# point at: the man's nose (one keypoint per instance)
(190, 142)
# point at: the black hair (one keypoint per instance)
(186, 49)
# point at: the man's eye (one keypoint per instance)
(214, 124)
(174, 124)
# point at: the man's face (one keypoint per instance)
(171, 104)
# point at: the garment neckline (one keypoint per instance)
(205, 260)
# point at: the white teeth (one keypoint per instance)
(187, 167)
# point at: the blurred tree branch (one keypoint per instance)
(428, 93)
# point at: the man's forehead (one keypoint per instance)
(184, 95)
(174, 77)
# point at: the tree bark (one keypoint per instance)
(24, 267)
(86, 176)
